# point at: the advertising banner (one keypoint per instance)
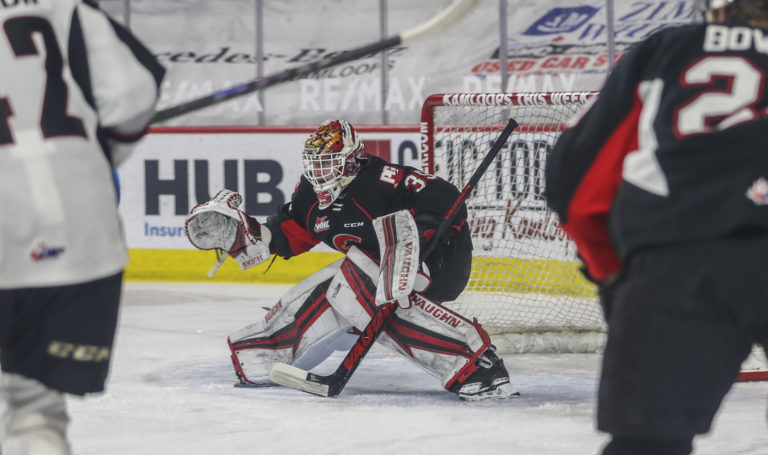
(552, 45)
(172, 171)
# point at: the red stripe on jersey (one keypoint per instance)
(309, 213)
(299, 239)
(362, 209)
(588, 210)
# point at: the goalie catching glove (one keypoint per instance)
(219, 224)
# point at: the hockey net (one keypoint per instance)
(525, 287)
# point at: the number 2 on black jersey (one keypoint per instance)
(728, 107)
(54, 121)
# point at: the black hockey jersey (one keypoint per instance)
(77, 91)
(380, 188)
(675, 149)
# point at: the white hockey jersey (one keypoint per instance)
(76, 92)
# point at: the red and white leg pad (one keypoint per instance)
(301, 329)
(437, 339)
(311, 321)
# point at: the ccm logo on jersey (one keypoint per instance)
(356, 224)
(322, 223)
(78, 352)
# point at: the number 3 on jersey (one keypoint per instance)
(415, 181)
(54, 121)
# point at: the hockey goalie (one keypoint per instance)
(381, 215)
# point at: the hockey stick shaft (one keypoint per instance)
(454, 13)
(222, 257)
(471, 184)
(332, 385)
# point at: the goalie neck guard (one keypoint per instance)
(332, 157)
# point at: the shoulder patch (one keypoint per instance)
(391, 175)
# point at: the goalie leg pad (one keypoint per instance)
(436, 338)
(440, 340)
(301, 329)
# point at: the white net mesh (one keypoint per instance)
(525, 282)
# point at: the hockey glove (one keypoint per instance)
(219, 224)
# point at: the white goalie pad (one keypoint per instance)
(437, 339)
(399, 257)
(300, 329)
(371, 268)
(313, 319)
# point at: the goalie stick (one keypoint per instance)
(331, 385)
(454, 13)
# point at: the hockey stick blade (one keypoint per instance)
(298, 379)
(451, 15)
(332, 385)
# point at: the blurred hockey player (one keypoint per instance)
(663, 185)
(343, 199)
(76, 92)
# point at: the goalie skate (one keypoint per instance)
(489, 381)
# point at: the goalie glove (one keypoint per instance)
(219, 224)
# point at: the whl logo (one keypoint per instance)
(322, 223)
(43, 251)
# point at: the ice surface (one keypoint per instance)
(171, 392)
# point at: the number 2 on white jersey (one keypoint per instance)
(54, 120)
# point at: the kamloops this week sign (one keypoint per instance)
(552, 45)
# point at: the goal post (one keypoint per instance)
(525, 286)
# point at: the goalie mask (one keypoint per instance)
(332, 158)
